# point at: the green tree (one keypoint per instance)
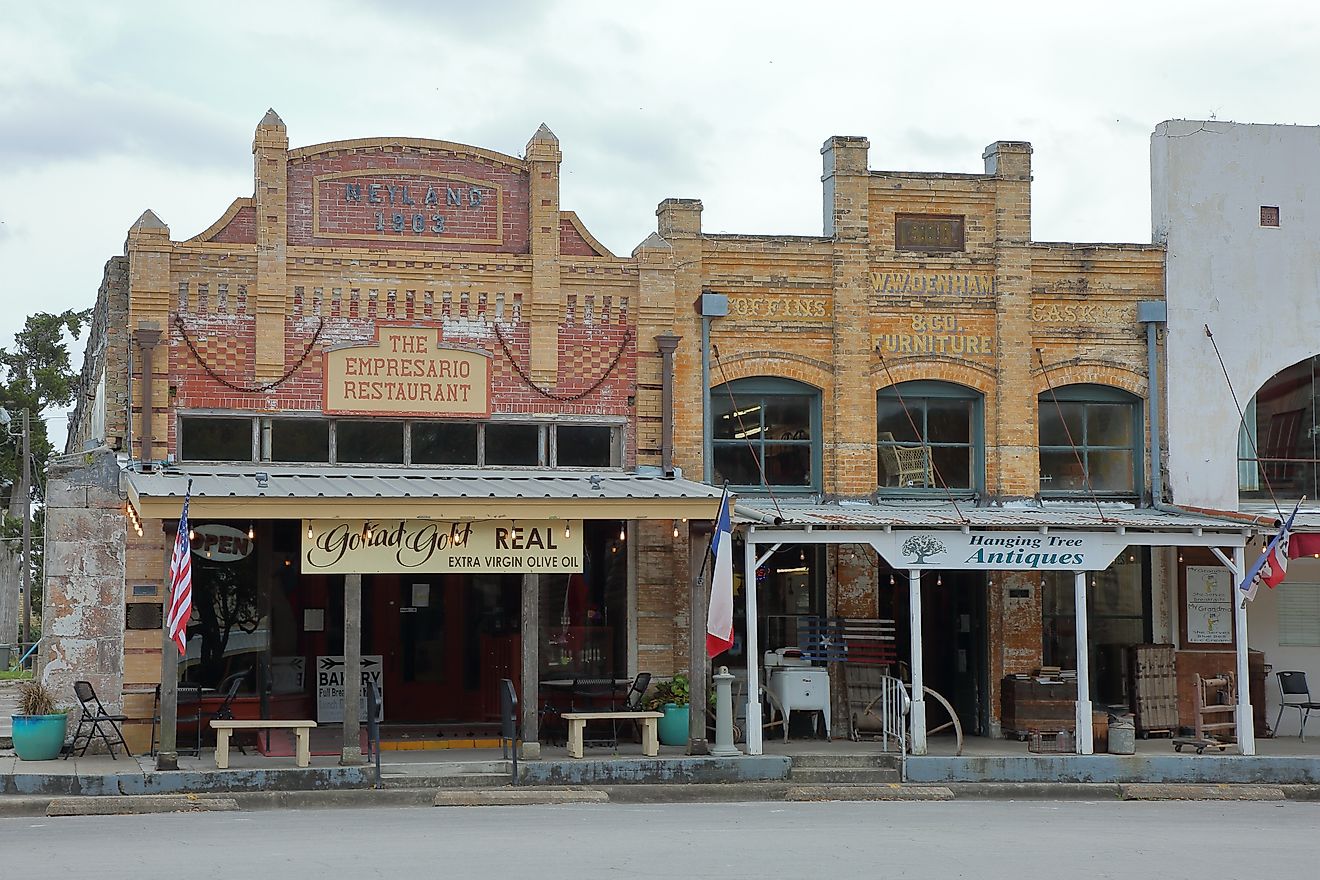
(35, 375)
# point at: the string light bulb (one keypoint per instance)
(568, 531)
(892, 580)
(252, 534)
(623, 531)
(939, 580)
(309, 530)
(675, 529)
(192, 534)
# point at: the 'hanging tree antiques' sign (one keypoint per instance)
(1000, 551)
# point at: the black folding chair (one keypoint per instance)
(633, 700)
(93, 717)
(225, 711)
(1295, 694)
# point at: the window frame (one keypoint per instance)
(1085, 393)
(763, 387)
(928, 389)
(547, 440)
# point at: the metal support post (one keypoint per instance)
(1085, 736)
(1246, 728)
(918, 716)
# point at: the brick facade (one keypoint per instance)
(339, 239)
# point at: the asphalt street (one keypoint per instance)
(974, 839)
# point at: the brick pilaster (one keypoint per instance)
(546, 309)
(270, 157)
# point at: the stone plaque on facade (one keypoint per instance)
(407, 372)
(1064, 314)
(393, 204)
(937, 333)
(435, 546)
(928, 232)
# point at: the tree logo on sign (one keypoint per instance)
(918, 547)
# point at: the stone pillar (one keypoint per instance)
(850, 466)
(270, 157)
(546, 305)
(83, 598)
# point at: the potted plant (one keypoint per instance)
(39, 727)
(671, 697)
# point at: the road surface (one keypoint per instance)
(985, 840)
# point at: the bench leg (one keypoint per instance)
(304, 737)
(222, 748)
(576, 730)
(650, 737)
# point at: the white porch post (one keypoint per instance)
(918, 716)
(1085, 736)
(1246, 728)
(753, 650)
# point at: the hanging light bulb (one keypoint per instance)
(568, 530)
(939, 580)
(623, 531)
(802, 555)
(675, 529)
(192, 534)
(252, 535)
(309, 530)
(892, 580)
(1132, 557)
(1180, 556)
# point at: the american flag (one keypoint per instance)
(181, 582)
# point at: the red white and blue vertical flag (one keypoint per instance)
(181, 581)
(1272, 566)
(719, 615)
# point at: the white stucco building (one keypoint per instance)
(1238, 207)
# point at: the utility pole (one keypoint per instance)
(27, 532)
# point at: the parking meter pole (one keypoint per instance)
(724, 747)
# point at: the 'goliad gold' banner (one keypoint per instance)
(437, 546)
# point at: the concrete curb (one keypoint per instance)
(500, 797)
(137, 805)
(1036, 791)
(1142, 791)
(888, 792)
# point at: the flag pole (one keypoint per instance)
(167, 756)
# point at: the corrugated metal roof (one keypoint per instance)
(300, 481)
(908, 514)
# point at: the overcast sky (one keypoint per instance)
(110, 108)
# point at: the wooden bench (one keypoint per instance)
(223, 728)
(577, 725)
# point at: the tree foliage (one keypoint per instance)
(35, 375)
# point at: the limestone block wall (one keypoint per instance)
(83, 603)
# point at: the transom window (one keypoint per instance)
(400, 442)
(1090, 431)
(775, 422)
(927, 432)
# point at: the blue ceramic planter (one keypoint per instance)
(673, 728)
(39, 737)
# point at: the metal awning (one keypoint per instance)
(274, 491)
(1017, 515)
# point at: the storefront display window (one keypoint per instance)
(929, 436)
(584, 615)
(1118, 617)
(1090, 433)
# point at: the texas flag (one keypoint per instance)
(1272, 566)
(719, 615)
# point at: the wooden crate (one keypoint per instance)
(1030, 705)
(1154, 687)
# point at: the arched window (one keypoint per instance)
(1278, 444)
(1090, 431)
(926, 433)
(772, 421)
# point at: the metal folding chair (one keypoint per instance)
(1292, 686)
(90, 724)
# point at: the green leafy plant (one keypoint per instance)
(34, 698)
(675, 691)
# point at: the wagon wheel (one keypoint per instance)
(952, 722)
